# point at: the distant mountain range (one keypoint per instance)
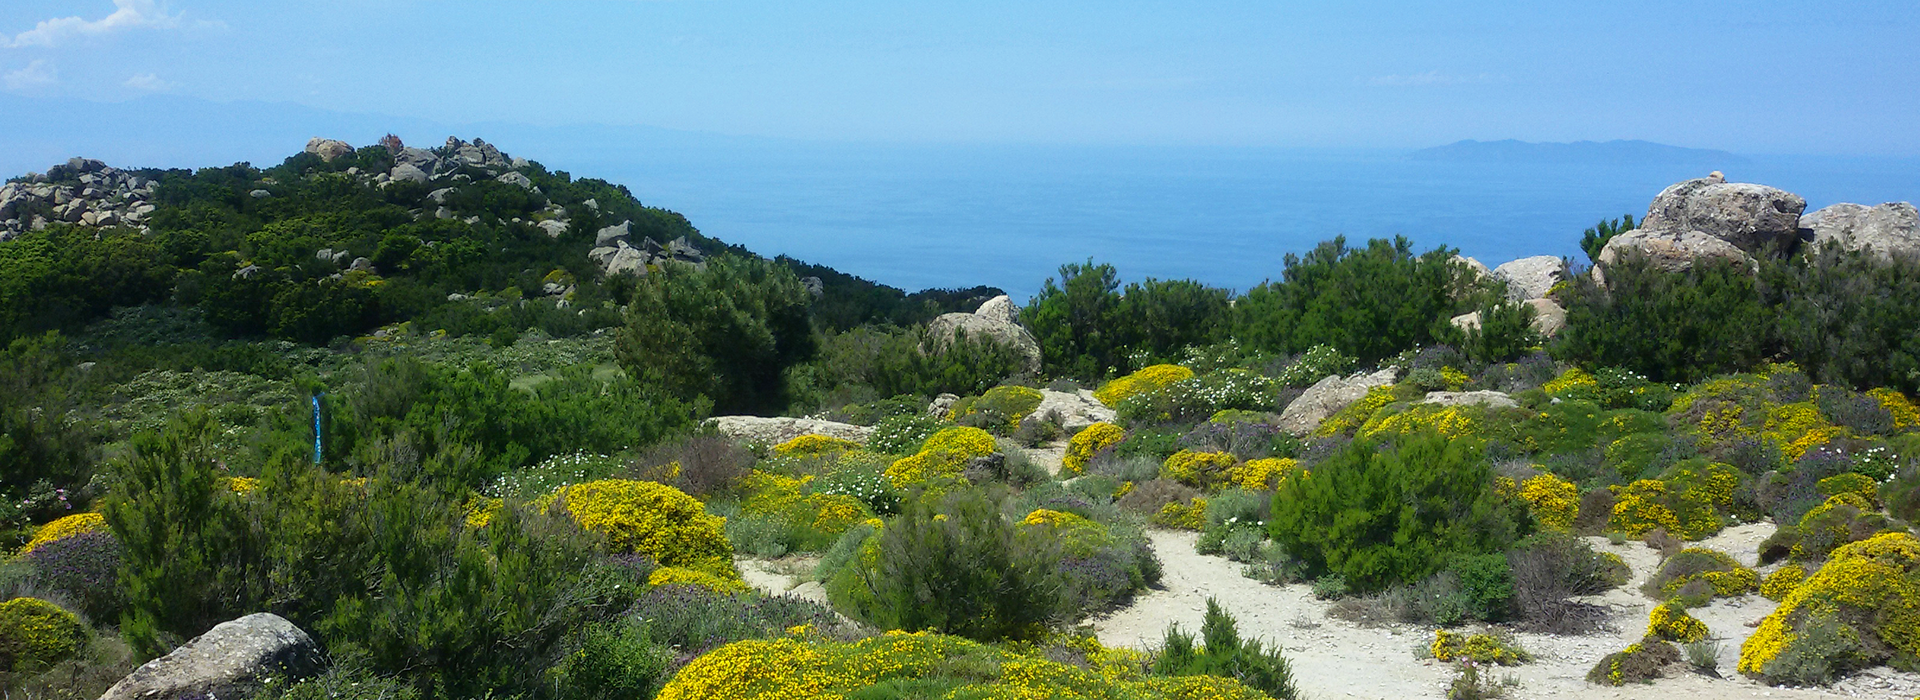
(1587, 152)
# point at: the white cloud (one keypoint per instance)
(36, 74)
(1431, 78)
(149, 82)
(128, 14)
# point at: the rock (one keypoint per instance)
(232, 660)
(259, 194)
(1548, 318)
(681, 249)
(627, 260)
(439, 196)
(1467, 321)
(421, 159)
(555, 228)
(1494, 399)
(1478, 268)
(815, 286)
(1890, 230)
(331, 255)
(517, 180)
(1326, 397)
(593, 204)
(610, 235)
(998, 319)
(442, 213)
(1529, 278)
(1671, 252)
(1076, 411)
(408, 172)
(1746, 215)
(773, 431)
(328, 149)
(811, 591)
(941, 404)
(361, 265)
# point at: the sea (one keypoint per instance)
(921, 216)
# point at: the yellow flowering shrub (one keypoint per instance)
(1671, 622)
(1087, 443)
(1640, 662)
(1011, 403)
(1798, 427)
(1842, 518)
(778, 496)
(1905, 414)
(1575, 382)
(1198, 469)
(1143, 381)
(242, 485)
(1455, 379)
(34, 633)
(1783, 581)
(1478, 648)
(647, 518)
(811, 445)
(1356, 414)
(1868, 590)
(789, 667)
(78, 523)
(1554, 501)
(481, 509)
(1723, 576)
(944, 455)
(1451, 421)
(1077, 535)
(675, 575)
(1651, 503)
(1851, 483)
(1189, 516)
(1262, 474)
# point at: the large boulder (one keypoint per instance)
(998, 320)
(1327, 396)
(1746, 215)
(1890, 230)
(517, 180)
(608, 236)
(1478, 268)
(773, 431)
(1548, 318)
(1529, 278)
(407, 172)
(232, 660)
(555, 228)
(328, 149)
(1076, 410)
(1671, 251)
(625, 260)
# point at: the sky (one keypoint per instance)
(1752, 76)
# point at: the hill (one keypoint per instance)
(1592, 152)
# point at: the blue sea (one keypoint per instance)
(956, 216)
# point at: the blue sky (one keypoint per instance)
(1833, 77)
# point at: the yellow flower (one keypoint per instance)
(811, 445)
(1671, 622)
(647, 518)
(674, 575)
(1197, 469)
(1147, 379)
(1554, 501)
(1085, 444)
(63, 528)
(943, 456)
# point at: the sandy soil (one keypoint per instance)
(1337, 659)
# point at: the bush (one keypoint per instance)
(1317, 363)
(1846, 616)
(1488, 583)
(1381, 515)
(1223, 653)
(35, 633)
(616, 660)
(1672, 327)
(726, 333)
(958, 569)
(943, 456)
(1640, 662)
(1202, 470)
(1670, 622)
(1372, 302)
(84, 568)
(902, 435)
(1721, 574)
(1478, 648)
(1087, 443)
(708, 464)
(1146, 380)
(999, 410)
(1552, 566)
(647, 518)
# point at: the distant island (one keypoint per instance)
(1614, 152)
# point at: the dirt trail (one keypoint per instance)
(1336, 659)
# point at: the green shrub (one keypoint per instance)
(1372, 302)
(35, 633)
(726, 333)
(1488, 583)
(1224, 653)
(902, 435)
(1380, 514)
(1671, 327)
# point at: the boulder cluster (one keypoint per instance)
(614, 251)
(79, 191)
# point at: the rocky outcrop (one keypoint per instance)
(1548, 318)
(998, 320)
(940, 405)
(1326, 397)
(80, 191)
(614, 251)
(1890, 230)
(773, 431)
(231, 660)
(329, 150)
(1529, 278)
(1076, 410)
(1493, 399)
(1746, 215)
(554, 228)
(1479, 268)
(1672, 252)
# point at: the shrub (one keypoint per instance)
(651, 519)
(72, 525)
(1146, 380)
(1382, 515)
(1723, 576)
(958, 569)
(677, 576)
(1670, 622)
(902, 435)
(1650, 504)
(1262, 474)
(1850, 614)
(1552, 566)
(1087, 443)
(942, 456)
(811, 445)
(725, 332)
(1149, 497)
(1843, 518)
(1554, 502)
(1372, 302)
(1782, 582)
(1478, 648)
(84, 568)
(922, 665)
(1487, 581)
(1356, 414)
(1001, 408)
(1318, 362)
(1640, 662)
(1226, 655)
(35, 633)
(616, 660)
(1191, 515)
(1672, 327)
(1201, 470)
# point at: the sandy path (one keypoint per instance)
(1336, 659)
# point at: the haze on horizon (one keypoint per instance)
(1748, 77)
